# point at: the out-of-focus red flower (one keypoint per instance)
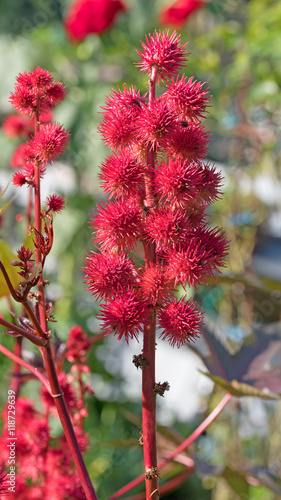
(18, 158)
(179, 12)
(90, 16)
(69, 395)
(21, 126)
(17, 126)
(19, 179)
(77, 345)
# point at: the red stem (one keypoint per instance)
(149, 410)
(148, 369)
(200, 429)
(66, 422)
(16, 379)
(38, 227)
(16, 296)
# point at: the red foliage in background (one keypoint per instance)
(90, 16)
(178, 12)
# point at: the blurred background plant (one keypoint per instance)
(235, 46)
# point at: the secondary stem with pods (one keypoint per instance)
(47, 350)
(36, 93)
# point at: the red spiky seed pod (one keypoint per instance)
(163, 51)
(124, 315)
(122, 175)
(48, 144)
(118, 226)
(181, 321)
(155, 285)
(55, 203)
(187, 98)
(107, 274)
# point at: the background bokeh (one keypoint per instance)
(235, 46)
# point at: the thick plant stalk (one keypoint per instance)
(149, 411)
(148, 370)
(38, 227)
(168, 487)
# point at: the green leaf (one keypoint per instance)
(237, 482)
(6, 257)
(8, 203)
(249, 280)
(239, 388)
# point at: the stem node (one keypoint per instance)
(151, 474)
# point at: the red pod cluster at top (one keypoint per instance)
(169, 129)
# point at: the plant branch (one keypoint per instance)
(12, 291)
(24, 333)
(70, 435)
(35, 321)
(200, 429)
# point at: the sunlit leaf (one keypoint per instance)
(4, 191)
(8, 203)
(6, 257)
(238, 388)
(237, 482)
(250, 281)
